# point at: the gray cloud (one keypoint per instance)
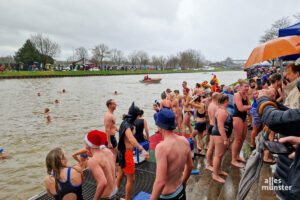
(160, 27)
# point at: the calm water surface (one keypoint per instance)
(27, 138)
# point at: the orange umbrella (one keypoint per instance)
(275, 48)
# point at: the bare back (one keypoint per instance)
(105, 162)
(172, 154)
(212, 109)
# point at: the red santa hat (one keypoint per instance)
(96, 139)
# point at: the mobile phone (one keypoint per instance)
(279, 148)
(258, 82)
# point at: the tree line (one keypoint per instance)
(42, 49)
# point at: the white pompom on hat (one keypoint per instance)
(96, 139)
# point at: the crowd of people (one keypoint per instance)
(216, 112)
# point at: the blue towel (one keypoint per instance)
(142, 196)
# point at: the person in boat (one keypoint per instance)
(165, 103)
(212, 109)
(173, 156)
(110, 126)
(140, 125)
(127, 142)
(241, 106)
(83, 157)
(221, 135)
(101, 165)
(177, 110)
(200, 126)
(62, 182)
(187, 110)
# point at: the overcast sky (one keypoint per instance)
(218, 28)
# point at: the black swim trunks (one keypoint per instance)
(113, 141)
(210, 129)
(200, 126)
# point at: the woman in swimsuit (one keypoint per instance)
(62, 182)
(177, 109)
(241, 106)
(200, 125)
(187, 110)
(220, 135)
(165, 103)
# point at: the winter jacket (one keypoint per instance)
(286, 122)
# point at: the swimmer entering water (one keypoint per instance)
(56, 101)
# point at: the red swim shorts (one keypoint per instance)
(129, 163)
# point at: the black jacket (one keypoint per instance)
(282, 120)
(286, 122)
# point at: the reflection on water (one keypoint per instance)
(27, 137)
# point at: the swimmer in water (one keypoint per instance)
(47, 110)
(116, 93)
(63, 91)
(48, 119)
(56, 101)
(2, 155)
(38, 94)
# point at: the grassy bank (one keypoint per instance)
(83, 73)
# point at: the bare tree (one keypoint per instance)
(133, 58)
(116, 56)
(297, 17)
(81, 53)
(143, 58)
(100, 52)
(172, 62)
(47, 48)
(272, 32)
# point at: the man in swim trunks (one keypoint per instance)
(127, 142)
(212, 109)
(110, 126)
(173, 156)
(184, 86)
(101, 165)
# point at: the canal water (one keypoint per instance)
(27, 137)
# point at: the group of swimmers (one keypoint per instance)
(216, 116)
(47, 110)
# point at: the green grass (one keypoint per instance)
(68, 73)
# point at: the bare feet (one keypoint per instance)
(241, 160)
(220, 172)
(236, 164)
(269, 161)
(209, 167)
(218, 178)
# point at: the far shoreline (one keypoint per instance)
(61, 74)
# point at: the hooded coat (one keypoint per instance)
(128, 122)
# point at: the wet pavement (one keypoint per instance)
(203, 187)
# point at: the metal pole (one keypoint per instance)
(282, 79)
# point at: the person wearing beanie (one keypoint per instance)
(173, 156)
(101, 164)
(127, 142)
